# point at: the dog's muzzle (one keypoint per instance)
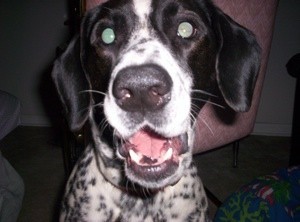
(142, 92)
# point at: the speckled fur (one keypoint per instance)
(90, 197)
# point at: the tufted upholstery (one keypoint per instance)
(219, 127)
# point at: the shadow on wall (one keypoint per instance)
(50, 99)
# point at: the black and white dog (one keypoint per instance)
(136, 74)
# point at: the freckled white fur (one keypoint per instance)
(116, 199)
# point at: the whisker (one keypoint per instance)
(92, 91)
(206, 124)
(90, 107)
(210, 102)
(103, 121)
(84, 109)
(195, 116)
(104, 124)
(203, 92)
(97, 105)
(193, 113)
(122, 140)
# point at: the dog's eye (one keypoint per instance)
(185, 30)
(108, 36)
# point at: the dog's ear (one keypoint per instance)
(238, 62)
(71, 81)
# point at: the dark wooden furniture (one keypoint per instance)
(293, 68)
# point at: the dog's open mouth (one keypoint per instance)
(152, 157)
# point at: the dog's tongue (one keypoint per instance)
(148, 143)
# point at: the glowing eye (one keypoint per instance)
(185, 30)
(108, 36)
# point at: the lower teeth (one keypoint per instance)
(138, 158)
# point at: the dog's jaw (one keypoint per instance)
(176, 162)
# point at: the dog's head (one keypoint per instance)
(142, 65)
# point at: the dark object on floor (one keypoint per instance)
(293, 68)
(269, 198)
(11, 184)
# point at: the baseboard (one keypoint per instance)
(33, 120)
(270, 129)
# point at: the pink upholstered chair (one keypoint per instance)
(259, 17)
(211, 130)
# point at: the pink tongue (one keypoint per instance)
(148, 143)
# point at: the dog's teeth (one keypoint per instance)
(134, 156)
(168, 154)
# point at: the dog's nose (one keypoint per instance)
(142, 88)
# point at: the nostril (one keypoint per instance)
(122, 95)
(156, 96)
(160, 89)
(125, 94)
(154, 91)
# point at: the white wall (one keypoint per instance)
(30, 31)
(277, 101)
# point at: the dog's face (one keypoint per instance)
(142, 66)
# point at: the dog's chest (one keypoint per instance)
(89, 197)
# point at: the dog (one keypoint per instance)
(137, 75)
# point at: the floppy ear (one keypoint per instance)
(238, 62)
(70, 81)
